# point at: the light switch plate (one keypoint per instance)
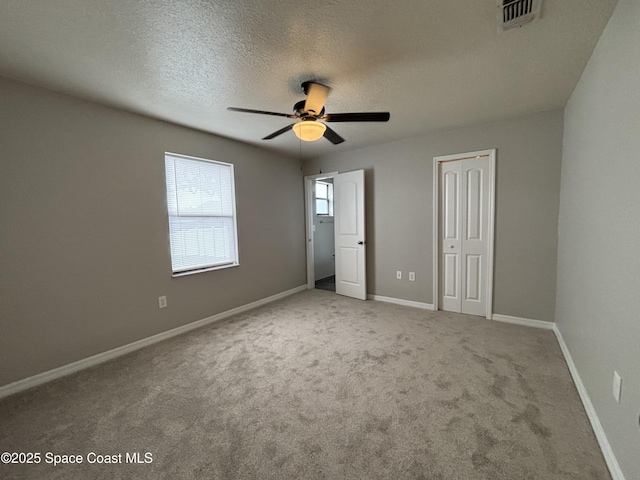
(617, 386)
(162, 301)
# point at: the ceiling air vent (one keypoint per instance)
(515, 13)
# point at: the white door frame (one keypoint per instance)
(308, 213)
(436, 223)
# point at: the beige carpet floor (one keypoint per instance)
(317, 386)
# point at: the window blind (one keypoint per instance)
(201, 209)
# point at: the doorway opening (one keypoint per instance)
(321, 232)
(324, 247)
(463, 232)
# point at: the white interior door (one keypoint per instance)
(464, 235)
(450, 240)
(348, 198)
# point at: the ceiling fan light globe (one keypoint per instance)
(309, 131)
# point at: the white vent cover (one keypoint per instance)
(515, 13)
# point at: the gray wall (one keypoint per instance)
(599, 231)
(399, 197)
(84, 236)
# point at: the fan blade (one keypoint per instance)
(248, 110)
(332, 136)
(316, 97)
(279, 132)
(357, 117)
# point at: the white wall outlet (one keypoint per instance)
(399, 275)
(162, 301)
(412, 276)
(617, 386)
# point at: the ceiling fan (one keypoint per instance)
(311, 116)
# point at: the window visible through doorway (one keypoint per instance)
(324, 198)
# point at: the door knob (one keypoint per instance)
(450, 246)
(360, 242)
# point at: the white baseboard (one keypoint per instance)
(607, 452)
(399, 301)
(523, 321)
(45, 377)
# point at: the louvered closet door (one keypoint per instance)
(464, 224)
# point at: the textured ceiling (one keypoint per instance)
(433, 64)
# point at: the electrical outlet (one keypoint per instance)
(162, 301)
(399, 275)
(412, 276)
(617, 386)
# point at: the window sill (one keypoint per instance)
(202, 270)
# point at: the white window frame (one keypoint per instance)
(234, 262)
(328, 198)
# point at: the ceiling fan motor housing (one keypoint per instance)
(298, 109)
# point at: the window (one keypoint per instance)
(324, 198)
(202, 217)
